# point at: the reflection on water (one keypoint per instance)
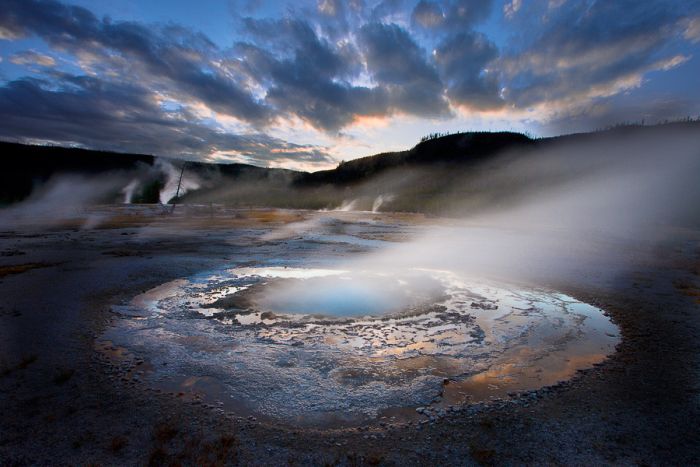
(296, 344)
(341, 295)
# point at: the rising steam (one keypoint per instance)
(63, 197)
(380, 200)
(167, 174)
(570, 208)
(129, 190)
(171, 174)
(578, 211)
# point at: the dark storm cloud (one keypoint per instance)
(462, 60)
(461, 55)
(338, 17)
(427, 14)
(174, 54)
(307, 76)
(386, 8)
(392, 55)
(450, 15)
(296, 37)
(397, 63)
(303, 75)
(585, 50)
(125, 117)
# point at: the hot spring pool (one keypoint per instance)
(314, 346)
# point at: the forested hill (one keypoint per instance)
(454, 149)
(430, 163)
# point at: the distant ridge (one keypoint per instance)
(458, 148)
(25, 167)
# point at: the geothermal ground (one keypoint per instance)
(328, 347)
(132, 335)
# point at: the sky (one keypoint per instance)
(305, 85)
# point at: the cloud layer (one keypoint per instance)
(325, 67)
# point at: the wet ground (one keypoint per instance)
(124, 333)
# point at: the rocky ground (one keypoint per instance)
(66, 401)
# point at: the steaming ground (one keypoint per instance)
(68, 395)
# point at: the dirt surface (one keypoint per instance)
(67, 400)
